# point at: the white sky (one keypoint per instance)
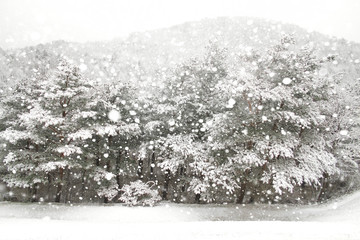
(29, 22)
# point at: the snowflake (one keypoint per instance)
(114, 115)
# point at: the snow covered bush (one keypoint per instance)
(139, 193)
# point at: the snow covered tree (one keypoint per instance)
(115, 139)
(191, 99)
(272, 129)
(343, 136)
(192, 91)
(221, 127)
(22, 144)
(49, 126)
(139, 193)
(64, 128)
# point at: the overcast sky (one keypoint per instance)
(29, 22)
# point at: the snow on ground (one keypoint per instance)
(68, 230)
(338, 219)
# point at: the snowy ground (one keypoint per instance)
(336, 220)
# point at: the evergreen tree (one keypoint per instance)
(272, 130)
(184, 153)
(49, 126)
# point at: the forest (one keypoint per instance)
(257, 125)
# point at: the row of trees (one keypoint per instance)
(267, 127)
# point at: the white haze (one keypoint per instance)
(29, 22)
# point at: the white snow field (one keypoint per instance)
(339, 219)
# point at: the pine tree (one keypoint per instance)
(49, 126)
(115, 139)
(184, 153)
(22, 142)
(272, 130)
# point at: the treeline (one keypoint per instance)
(268, 127)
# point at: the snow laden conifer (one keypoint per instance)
(343, 136)
(115, 139)
(22, 144)
(52, 105)
(272, 130)
(210, 130)
(64, 129)
(184, 154)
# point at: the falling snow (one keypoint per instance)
(344, 132)
(114, 115)
(224, 128)
(286, 81)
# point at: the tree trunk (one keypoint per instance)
(241, 196)
(68, 186)
(59, 186)
(108, 165)
(97, 161)
(140, 168)
(118, 176)
(33, 193)
(197, 198)
(108, 168)
(166, 185)
(49, 187)
(303, 191)
(118, 168)
(83, 183)
(323, 187)
(152, 166)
